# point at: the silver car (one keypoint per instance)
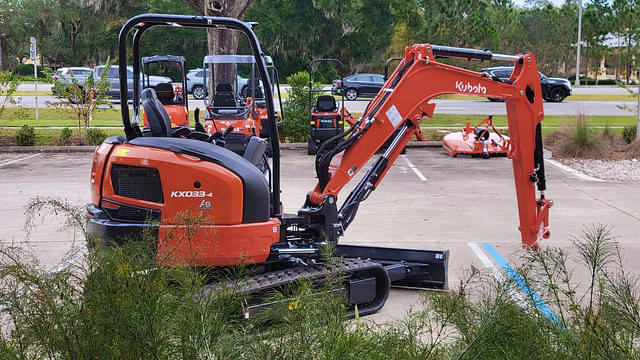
(195, 84)
(114, 79)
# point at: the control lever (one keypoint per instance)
(198, 127)
(220, 138)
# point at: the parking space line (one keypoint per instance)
(20, 159)
(69, 261)
(572, 171)
(495, 272)
(537, 300)
(414, 168)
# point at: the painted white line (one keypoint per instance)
(414, 168)
(71, 260)
(572, 171)
(20, 159)
(495, 272)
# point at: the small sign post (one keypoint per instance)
(33, 54)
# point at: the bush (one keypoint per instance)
(629, 134)
(117, 303)
(65, 137)
(96, 136)
(295, 126)
(582, 140)
(26, 136)
(26, 70)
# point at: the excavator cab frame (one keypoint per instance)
(178, 103)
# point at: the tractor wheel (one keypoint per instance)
(351, 94)
(198, 92)
(312, 148)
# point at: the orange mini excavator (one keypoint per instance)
(168, 171)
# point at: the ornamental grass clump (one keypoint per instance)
(117, 303)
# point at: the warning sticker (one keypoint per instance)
(394, 116)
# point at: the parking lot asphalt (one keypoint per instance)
(455, 202)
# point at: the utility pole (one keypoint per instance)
(577, 83)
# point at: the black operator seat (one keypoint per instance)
(326, 103)
(246, 91)
(224, 96)
(164, 91)
(157, 116)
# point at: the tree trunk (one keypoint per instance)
(221, 42)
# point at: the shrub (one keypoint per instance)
(24, 70)
(629, 134)
(116, 303)
(65, 137)
(296, 109)
(26, 136)
(95, 136)
(582, 140)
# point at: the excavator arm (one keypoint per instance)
(397, 111)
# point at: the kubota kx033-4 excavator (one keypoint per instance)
(172, 170)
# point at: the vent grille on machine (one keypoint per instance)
(137, 182)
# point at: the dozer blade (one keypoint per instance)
(408, 268)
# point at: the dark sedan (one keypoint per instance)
(358, 85)
(553, 89)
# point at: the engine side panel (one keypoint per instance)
(217, 245)
(188, 184)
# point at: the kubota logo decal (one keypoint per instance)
(470, 88)
(190, 194)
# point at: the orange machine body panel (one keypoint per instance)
(250, 124)
(177, 114)
(220, 238)
(217, 245)
(97, 169)
(221, 188)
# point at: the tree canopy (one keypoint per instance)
(360, 33)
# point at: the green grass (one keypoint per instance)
(602, 97)
(501, 120)
(32, 93)
(48, 137)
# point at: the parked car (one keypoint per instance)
(358, 85)
(66, 75)
(114, 79)
(553, 89)
(195, 84)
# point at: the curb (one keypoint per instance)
(90, 149)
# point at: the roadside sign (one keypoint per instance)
(32, 49)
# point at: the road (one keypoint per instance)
(460, 201)
(481, 107)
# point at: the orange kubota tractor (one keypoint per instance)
(173, 170)
(239, 110)
(174, 100)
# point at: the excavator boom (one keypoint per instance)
(398, 109)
